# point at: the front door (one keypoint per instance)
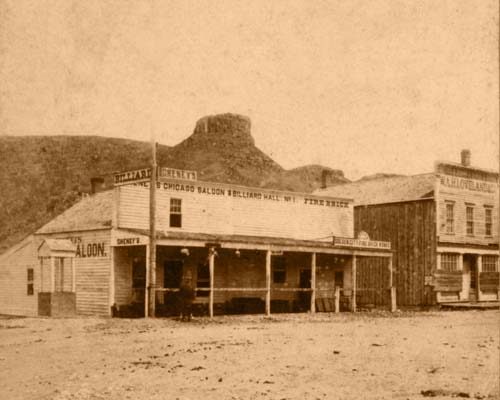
(138, 280)
(469, 288)
(305, 283)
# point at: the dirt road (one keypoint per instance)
(322, 356)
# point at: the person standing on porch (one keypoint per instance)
(186, 297)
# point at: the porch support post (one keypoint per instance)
(391, 286)
(461, 268)
(112, 279)
(337, 299)
(52, 274)
(353, 279)
(211, 259)
(41, 274)
(268, 282)
(313, 282)
(73, 275)
(146, 287)
(479, 269)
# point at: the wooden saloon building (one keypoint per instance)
(245, 250)
(443, 227)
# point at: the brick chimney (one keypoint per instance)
(96, 184)
(325, 174)
(465, 157)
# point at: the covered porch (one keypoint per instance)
(238, 275)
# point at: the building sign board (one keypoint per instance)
(144, 175)
(172, 173)
(136, 176)
(473, 185)
(244, 193)
(352, 242)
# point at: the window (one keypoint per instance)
(175, 213)
(31, 277)
(202, 279)
(488, 220)
(450, 217)
(469, 218)
(339, 279)
(59, 274)
(278, 268)
(490, 263)
(449, 262)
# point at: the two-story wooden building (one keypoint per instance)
(443, 227)
(245, 249)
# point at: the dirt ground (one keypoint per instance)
(324, 356)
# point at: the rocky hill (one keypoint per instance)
(41, 176)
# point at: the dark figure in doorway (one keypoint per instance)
(186, 297)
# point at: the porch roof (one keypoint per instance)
(257, 243)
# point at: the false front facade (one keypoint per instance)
(244, 250)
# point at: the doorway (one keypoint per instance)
(172, 279)
(304, 283)
(469, 285)
(138, 280)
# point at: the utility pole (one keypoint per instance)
(152, 233)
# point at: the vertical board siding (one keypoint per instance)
(410, 227)
(372, 281)
(226, 214)
(14, 299)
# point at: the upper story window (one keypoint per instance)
(449, 262)
(488, 220)
(175, 213)
(450, 217)
(469, 219)
(59, 264)
(490, 263)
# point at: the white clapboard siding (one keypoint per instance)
(14, 299)
(225, 214)
(92, 271)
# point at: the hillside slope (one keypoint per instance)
(41, 176)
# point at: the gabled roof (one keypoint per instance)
(385, 190)
(59, 245)
(92, 212)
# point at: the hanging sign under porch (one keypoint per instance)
(144, 175)
(362, 242)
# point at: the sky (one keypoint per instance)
(363, 86)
